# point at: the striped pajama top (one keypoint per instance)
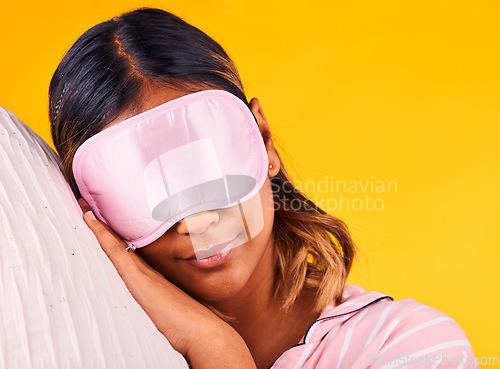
(370, 330)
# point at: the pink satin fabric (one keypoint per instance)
(199, 152)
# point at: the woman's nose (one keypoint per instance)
(197, 223)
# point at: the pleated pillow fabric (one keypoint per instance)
(62, 303)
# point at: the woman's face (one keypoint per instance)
(222, 276)
(248, 226)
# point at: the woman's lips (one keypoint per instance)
(213, 257)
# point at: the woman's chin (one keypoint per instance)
(219, 285)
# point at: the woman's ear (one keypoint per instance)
(265, 131)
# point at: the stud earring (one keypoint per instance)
(270, 166)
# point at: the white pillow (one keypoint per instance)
(62, 303)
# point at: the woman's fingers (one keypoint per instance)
(100, 230)
(128, 264)
(174, 313)
(191, 328)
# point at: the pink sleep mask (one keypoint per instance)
(199, 152)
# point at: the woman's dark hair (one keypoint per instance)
(109, 70)
(112, 64)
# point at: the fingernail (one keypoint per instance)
(90, 214)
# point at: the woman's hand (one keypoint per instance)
(192, 329)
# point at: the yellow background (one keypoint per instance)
(354, 91)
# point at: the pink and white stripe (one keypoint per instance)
(370, 330)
